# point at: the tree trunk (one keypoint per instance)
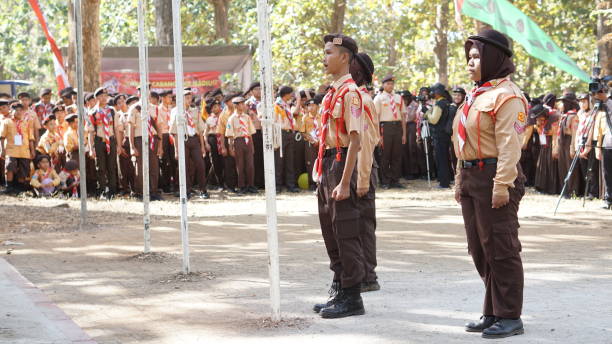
(604, 38)
(163, 22)
(392, 57)
(337, 20)
(92, 53)
(221, 22)
(441, 48)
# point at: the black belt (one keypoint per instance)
(391, 122)
(333, 151)
(288, 131)
(476, 163)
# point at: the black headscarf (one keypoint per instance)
(494, 63)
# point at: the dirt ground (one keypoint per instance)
(429, 285)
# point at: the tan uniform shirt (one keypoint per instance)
(163, 119)
(603, 134)
(40, 175)
(501, 136)
(312, 125)
(97, 121)
(369, 140)
(383, 103)
(71, 140)
(222, 123)
(135, 120)
(17, 141)
(253, 105)
(353, 119)
(193, 127)
(284, 116)
(49, 143)
(239, 125)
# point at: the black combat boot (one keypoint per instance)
(504, 328)
(349, 303)
(478, 326)
(334, 294)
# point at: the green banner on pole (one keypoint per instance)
(506, 18)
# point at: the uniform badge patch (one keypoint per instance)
(519, 125)
(356, 111)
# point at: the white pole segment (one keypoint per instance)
(81, 108)
(265, 59)
(180, 127)
(143, 66)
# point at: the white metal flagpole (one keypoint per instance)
(265, 59)
(143, 65)
(180, 127)
(81, 108)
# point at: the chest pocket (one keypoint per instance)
(337, 113)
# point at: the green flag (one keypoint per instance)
(506, 18)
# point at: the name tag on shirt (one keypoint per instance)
(18, 140)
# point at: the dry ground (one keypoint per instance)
(429, 286)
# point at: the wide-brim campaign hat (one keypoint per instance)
(366, 62)
(538, 110)
(570, 97)
(495, 38)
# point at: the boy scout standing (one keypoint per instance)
(253, 105)
(285, 165)
(489, 181)
(134, 121)
(392, 111)
(103, 147)
(229, 165)
(336, 174)
(195, 145)
(362, 70)
(240, 132)
(168, 179)
(16, 148)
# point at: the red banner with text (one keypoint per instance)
(200, 82)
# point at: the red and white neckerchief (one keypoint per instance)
(106, 123)
(244, 131)
(18, 123)
(189, 119)
(469, 100)
(392, 103)
(329, 102)
(281, 103)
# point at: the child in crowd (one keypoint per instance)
(45, 179)
(70, 179)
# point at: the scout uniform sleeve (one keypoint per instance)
(433, 116)
(251, 126)
(378, 104)
(173, 121)
(35, 182)
(508, 139)
(364, 164)
(353, 109)
(200, 125)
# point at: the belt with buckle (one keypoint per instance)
(332, 151)
(476, 163)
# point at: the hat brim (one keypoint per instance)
(503, 48)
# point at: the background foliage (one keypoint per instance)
(382, 27)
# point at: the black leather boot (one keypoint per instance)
(349, 304)
(370, 286)
(478, 326)
(335, 292)
(503, 328)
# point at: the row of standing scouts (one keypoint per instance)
(227, 153)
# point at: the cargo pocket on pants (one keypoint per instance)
(506, 243)
(346, 220)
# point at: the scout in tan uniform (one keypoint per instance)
(362, 70)
(285, 165)
(392, 111)
(134, 122)
(336, 173)
(70, 139)
(214, 143)
(240, 132)
(168, 179)
(487, 138)
(229, 163)
(126, 167)
(253, 104)
(603, 135)
(51, 143)
(30, 114)
(312, 127)
(195, 145)
(16, 148)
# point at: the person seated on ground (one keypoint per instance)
(45, 179)
(70, 179)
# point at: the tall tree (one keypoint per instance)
(92, 53)
(163, 22)
(337, 20)
(222, 29)
(604, 35)
(441, 47)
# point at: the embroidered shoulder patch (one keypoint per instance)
(519, 124)
(356, 110)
